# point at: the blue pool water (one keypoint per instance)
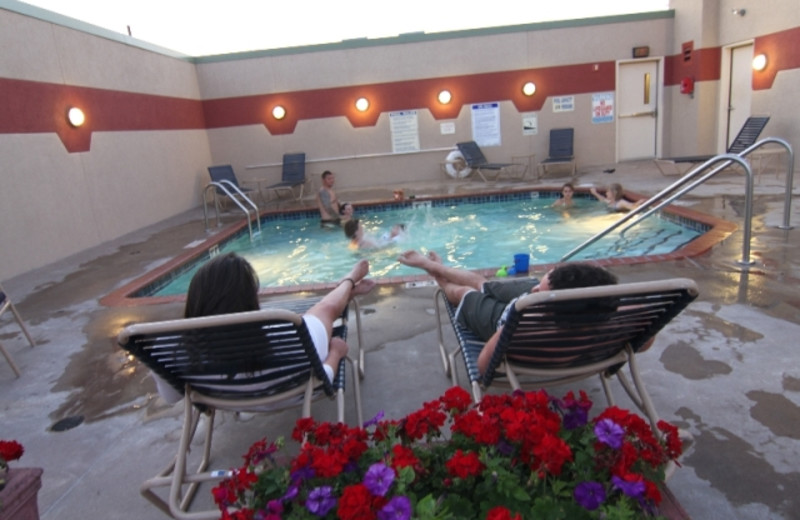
(471, 233)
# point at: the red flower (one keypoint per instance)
(456, 398)
(501, 513)
(403, 457)
(301, 428)
(356, 503)
(463, 465)
(11, 450)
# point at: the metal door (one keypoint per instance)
(739, 90)
(637, 100)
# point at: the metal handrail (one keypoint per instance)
(223, 185)
(648, 208)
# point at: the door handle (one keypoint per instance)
(651, 113)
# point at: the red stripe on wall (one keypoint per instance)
(782, 50)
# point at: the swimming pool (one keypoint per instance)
(476, 232)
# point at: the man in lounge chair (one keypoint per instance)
(483, 305)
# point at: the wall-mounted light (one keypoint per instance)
(445, 97)
(76, 117)
(529, 88)
(278, 112)
(760, 62)
(362, 104)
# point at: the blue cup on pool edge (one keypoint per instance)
(521, 262)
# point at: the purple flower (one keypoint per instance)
(633, 489)
(576, 418)
(609, 433)
(378, 479)
(320, 500)
(590, 495)
(374, 420)
(292, 492)
(398, 508)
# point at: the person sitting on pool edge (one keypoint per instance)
(483, 305)
(359, 239)
(327, 202)
(615, 198)
(228, 284)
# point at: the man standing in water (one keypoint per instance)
(327, 202)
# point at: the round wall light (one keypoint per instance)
(760, 62)
(529, 88)
(445, 97)
(76, 117)
(362, 104)
(278, 112)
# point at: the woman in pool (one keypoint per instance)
(228, 284)
(615, 198)
(567, 190)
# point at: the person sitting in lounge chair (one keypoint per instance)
(228, 284)
(483, 305)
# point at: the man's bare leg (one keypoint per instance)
(443, 274)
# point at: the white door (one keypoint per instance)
(637, 106)
(739, 90)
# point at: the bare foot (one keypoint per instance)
(434, 256)
(363, 287)
(413, 258)
(358, 272)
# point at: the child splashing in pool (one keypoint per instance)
(359, 239)
(615, 198)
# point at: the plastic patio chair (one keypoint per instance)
(477, 161)
(5, 304)
(561, 151)
(293, 175)
(261, 361)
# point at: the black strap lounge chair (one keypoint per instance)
(477, 161)
(6, 304)
(293, 175)
(260, 361)
(746, 138)
(562, 336)
(561, 151)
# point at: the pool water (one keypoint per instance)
(467, 234)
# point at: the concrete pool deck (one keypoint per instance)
(726, 369)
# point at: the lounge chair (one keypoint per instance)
(560, 151)
(477, 161)
(225, 176)
(746, 138)
(260, 361)
(293, 175)
(5, 303)
(558, 337)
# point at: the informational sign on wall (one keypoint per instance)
(486, 124)
(447, 128)
(405, 131)
(563, 103)
(530, 123)
(603, 107)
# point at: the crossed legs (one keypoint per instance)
(454, 282)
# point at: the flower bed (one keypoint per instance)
(513, 456)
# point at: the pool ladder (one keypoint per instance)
(230, 189)
(693, 179)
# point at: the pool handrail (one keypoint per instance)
(223, 185)
(647, 209)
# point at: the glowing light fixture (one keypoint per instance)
(76, 117)
(445, 97)
(278, 112)
(529, 88)
(760, 62)
(362, 104)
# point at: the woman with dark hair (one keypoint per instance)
(228, 284)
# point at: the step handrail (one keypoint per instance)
(726, 159)
(224, 185)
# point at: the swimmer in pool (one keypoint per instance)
(359, 239)
(614, 197)
(567, 190)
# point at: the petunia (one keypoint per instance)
(575, 418)
(374, 420)
(590, 495)
(631, 485)
(398, 508)
(320, 500)
(609, 433)
(378, 479)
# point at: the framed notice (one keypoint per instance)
(563, 103)
(530, 123)
(486, 124)
(603, 107)
(405, 131)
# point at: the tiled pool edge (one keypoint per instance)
(719, 229)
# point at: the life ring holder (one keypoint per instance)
(456, 166)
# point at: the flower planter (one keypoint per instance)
(19, 497)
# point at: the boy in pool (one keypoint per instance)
(567, 190)
(483, 305)
(359, 239)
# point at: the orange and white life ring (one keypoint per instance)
(456, 165)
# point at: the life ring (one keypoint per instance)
(456, 165)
